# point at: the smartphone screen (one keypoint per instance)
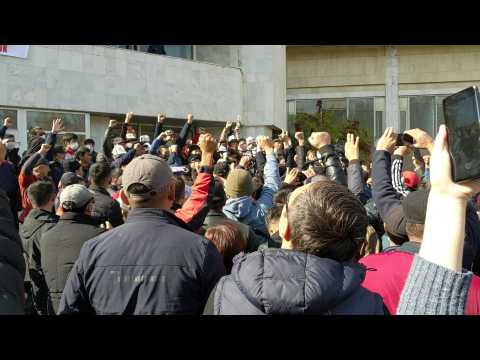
(462, 118)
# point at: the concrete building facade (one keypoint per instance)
(86, 85)
(267, 85)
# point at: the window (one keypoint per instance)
(9, 113)
(181, 51)
(73, 123)
(361, 110)
(422, 113)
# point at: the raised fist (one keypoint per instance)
(8, 122)
(207, 143)
(190, 119)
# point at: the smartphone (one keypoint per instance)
(404, 140)
(462, 118)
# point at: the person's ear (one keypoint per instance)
(284, 230)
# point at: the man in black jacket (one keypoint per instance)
(39, 220)
(330, 160)
(322, 228)
(61, 245)
(150, 265)
(12, 263)
(105, 208)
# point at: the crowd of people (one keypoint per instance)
(193, 224)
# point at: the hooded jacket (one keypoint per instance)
(281, 282)
(35, 225)
(12, 263)
(250, 212)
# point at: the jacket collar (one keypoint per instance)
(139, 214)
(99, 189)
(76, 217)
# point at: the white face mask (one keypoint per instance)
(74, 146)
(89, 147)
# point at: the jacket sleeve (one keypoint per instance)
(116, 217)
(51, 140)
(123, 132)
(182, 137)
(272, 183)
(355, 181)
(3, 131)
(397, 165)
(195, 209)
(260, 161)
(300, 151)
(174, 159)
(289, 155)
(431, 289)
(158, 130)
(75, 296)
(107, 145)
(29, 164)
(212, 271)
(383, 193)
(156, 145)
(333, 166)
(124, 159)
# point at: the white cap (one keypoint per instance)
(145, 138)
(231, 137)
(250, 139)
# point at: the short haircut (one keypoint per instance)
(328, 221)
(228, 240)
(68, 207)
(273, 215)
(69, 137)
(281, 196)
(99, 172)
(82, 151)
(179, 188)
(40, 193)
(89, 141)
(140, 189)
(415, 230)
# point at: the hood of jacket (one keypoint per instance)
(279, 281)
(35, 220)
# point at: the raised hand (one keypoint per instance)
(387, 141)
(8, 122)
(57, 126)
(228, 125)
(352, 147)
(161, 118)
(245, 161)
(265, 143)
(421, 139)
(190, 119)
(44, 149)
(291, 175)
(112, 123)
(319, 139)
(207, 143)
(128, 117)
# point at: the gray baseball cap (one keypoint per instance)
(149, 170)
(75, 196)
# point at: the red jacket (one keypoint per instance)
(24, 181)
(387, 273)
(195, 209)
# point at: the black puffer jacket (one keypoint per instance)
(36, 223)
(332, 164)
(60, 247)
(105, 208)
(277, 281)
(12, 263)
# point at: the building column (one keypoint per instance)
(392, 112)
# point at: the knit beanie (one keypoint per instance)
(239, 183)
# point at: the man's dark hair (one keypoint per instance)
(328, 221)
(219, 197)
(99, 172)
(273, 214)
(81, 152)
(70, 166)
(89, 141)
(179, 187)
(415, 230)
(69, 137)
(221, 169)
(281, 196)
(40, 193)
